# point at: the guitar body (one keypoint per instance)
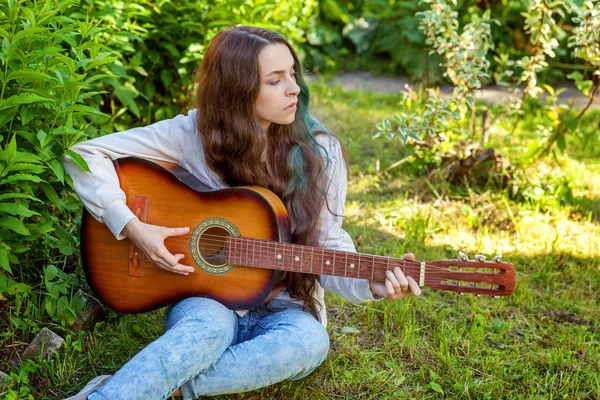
(128, 282)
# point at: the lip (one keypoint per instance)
(291, 107)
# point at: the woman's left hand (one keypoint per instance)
(396, 285)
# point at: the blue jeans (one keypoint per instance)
(208, 349)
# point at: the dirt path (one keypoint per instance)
(491, 94)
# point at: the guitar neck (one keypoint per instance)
(313, 260)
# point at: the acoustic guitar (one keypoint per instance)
(238, 241)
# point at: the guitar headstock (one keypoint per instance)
(478, 276)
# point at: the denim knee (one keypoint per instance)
(205, 313)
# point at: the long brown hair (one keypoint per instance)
(228, 83)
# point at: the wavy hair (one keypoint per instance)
(228, 84)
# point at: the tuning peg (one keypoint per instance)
(480, 257)
(498, 258)
(478, 295)
(463, 256)
(461, 293)
(496, 297)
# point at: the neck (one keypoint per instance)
(313, 260)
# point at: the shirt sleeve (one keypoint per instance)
(100, 191)
(331, 234)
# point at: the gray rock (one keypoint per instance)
(45, 343)
(91, 313)
(4, 384)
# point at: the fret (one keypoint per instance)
(346, 266)
(253, 251)
(288, 251)
(359, 265)
(235, 250)
(373, 267)
(247, 248)
(322, 260)
(259, 263)
(228, 250)
(388, 264)
(312, 252)
(302, 259)
(333, 263)
(292, 258)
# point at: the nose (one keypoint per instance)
(293, 89)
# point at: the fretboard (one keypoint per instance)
(313, 260)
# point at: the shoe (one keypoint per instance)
(92, 385)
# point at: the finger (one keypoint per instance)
(182, 269)
(175, 231)
(414, 286)
(389, 288)
(392, 278)
(185, 268)
(408, 256)
(171, 263)
(401, 279)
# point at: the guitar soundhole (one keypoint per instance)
(208, 244)
(211, 246)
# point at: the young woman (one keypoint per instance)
(251, 126)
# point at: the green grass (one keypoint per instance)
(541, 343)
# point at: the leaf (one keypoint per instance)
(4, 258)
(7, 116)
(28, 76)
(77, 159)
(51, 194)
(29, 14)
(11, 149)
(26, 167)
(50, 273)
(42, 136)
(17, 209)
(436, 387)
(17, 196)
(58, 169)
(50, 306)
(85, 109)
(350, 329)
(20, 177)
(23, 98)
(18, 287)
(27, 114)
(561, 143)
(28, 32)
(15, 225)
(126, 96)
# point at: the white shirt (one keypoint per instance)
(177, 141)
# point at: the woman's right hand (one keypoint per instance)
(150, 239)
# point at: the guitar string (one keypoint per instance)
(272, 246)
(221, 242)
(376, 264)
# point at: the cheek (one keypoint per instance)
(265, 100)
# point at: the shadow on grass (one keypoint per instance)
(585, 207)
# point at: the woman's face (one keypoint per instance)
(278, 95)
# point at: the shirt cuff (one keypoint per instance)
(364, 291)
(116, 216)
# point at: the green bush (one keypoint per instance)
(49, 68)
(159, 46)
